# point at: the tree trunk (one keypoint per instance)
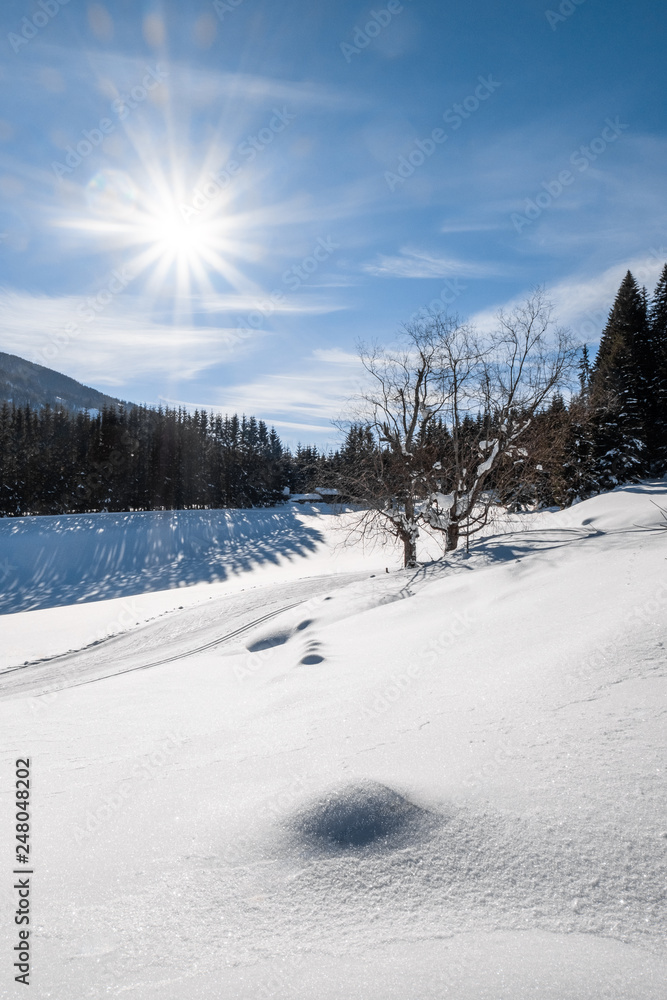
(409, 551)
(410, 535)
(453, 532)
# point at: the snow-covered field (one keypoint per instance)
(297, 775)
(120, 566)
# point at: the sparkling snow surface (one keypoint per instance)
(439, 783)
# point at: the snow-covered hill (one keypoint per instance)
(24, 382)
(443, 783)
(71, 558)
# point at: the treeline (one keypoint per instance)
(612, 430)
(54, 461)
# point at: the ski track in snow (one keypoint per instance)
(509, 791)
(183, 634)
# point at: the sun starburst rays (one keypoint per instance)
(177, 248)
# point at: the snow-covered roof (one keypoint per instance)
(303, 497)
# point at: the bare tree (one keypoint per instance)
(448, 411)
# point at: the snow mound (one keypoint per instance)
(361, 815)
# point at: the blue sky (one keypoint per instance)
(211, 203)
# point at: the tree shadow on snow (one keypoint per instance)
(48, 562)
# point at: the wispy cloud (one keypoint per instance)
(583, 304)
(305, 304)
(251, 87)
(334, 356)
(123, 339)
(307, 400)
(124, 345)
(189, 83)
(422, 264)
(469, 227)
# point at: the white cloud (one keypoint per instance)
(335, 356)
(204, 85)
(422, 264)
(307, 400)
(583, 304)
(469, 227)
(125, 337)
(305, 304)
(114, 71)
(121, 340)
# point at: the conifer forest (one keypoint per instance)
(609, 429)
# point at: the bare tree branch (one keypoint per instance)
(446, 411)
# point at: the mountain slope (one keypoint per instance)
(23, 382)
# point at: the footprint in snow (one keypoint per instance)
(312, 656)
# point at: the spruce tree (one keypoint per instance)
(618, 390)
(585, 371)
(580, 472)
(657, 435)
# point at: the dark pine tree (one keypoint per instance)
(580, 473)
(53, 461)
(657, 430)
(618, 390)
(585, 371)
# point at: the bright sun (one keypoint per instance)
(176, 238)
(176, 248)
